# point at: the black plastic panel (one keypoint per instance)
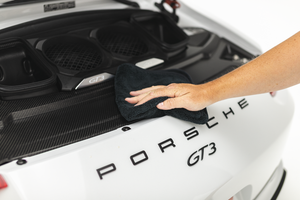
(161, 29)
(23, 73)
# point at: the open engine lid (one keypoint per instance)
(15, 12)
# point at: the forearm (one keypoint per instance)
(276, 69)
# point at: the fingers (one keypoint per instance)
(160, 92)
(145, 90)
(171, 103)
(141, 94)
(187, 96)
(136, 99)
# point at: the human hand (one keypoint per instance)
(182, 95)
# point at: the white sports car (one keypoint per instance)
(63, 137)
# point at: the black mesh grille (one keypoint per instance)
(77, 57)
(35, 125)
(122, 43)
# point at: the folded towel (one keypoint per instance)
(131, 78)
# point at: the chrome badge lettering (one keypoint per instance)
(59, 6)
(94, 80)
(97, 79)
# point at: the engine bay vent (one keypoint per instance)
(122, 44)
(68, 54)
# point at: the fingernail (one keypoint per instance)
(161, 104)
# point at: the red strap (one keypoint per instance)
(173, 3)
(3, 184)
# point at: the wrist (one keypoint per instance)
(214, 91)
(206, 95)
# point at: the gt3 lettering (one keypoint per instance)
(199, 154)
(97, 79)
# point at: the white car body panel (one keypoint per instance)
(150, 161)
(71, 171)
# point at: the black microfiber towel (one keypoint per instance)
(131, 78)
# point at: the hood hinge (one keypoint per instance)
(173, 4)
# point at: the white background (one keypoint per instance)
(267, 22)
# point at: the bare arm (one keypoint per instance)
(274, 70)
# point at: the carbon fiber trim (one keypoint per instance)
(35, 125)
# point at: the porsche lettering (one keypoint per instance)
(227, 113)
(169, 144)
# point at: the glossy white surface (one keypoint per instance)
(159, 158)
(235, 163)
(268, 23)
(19, 14)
